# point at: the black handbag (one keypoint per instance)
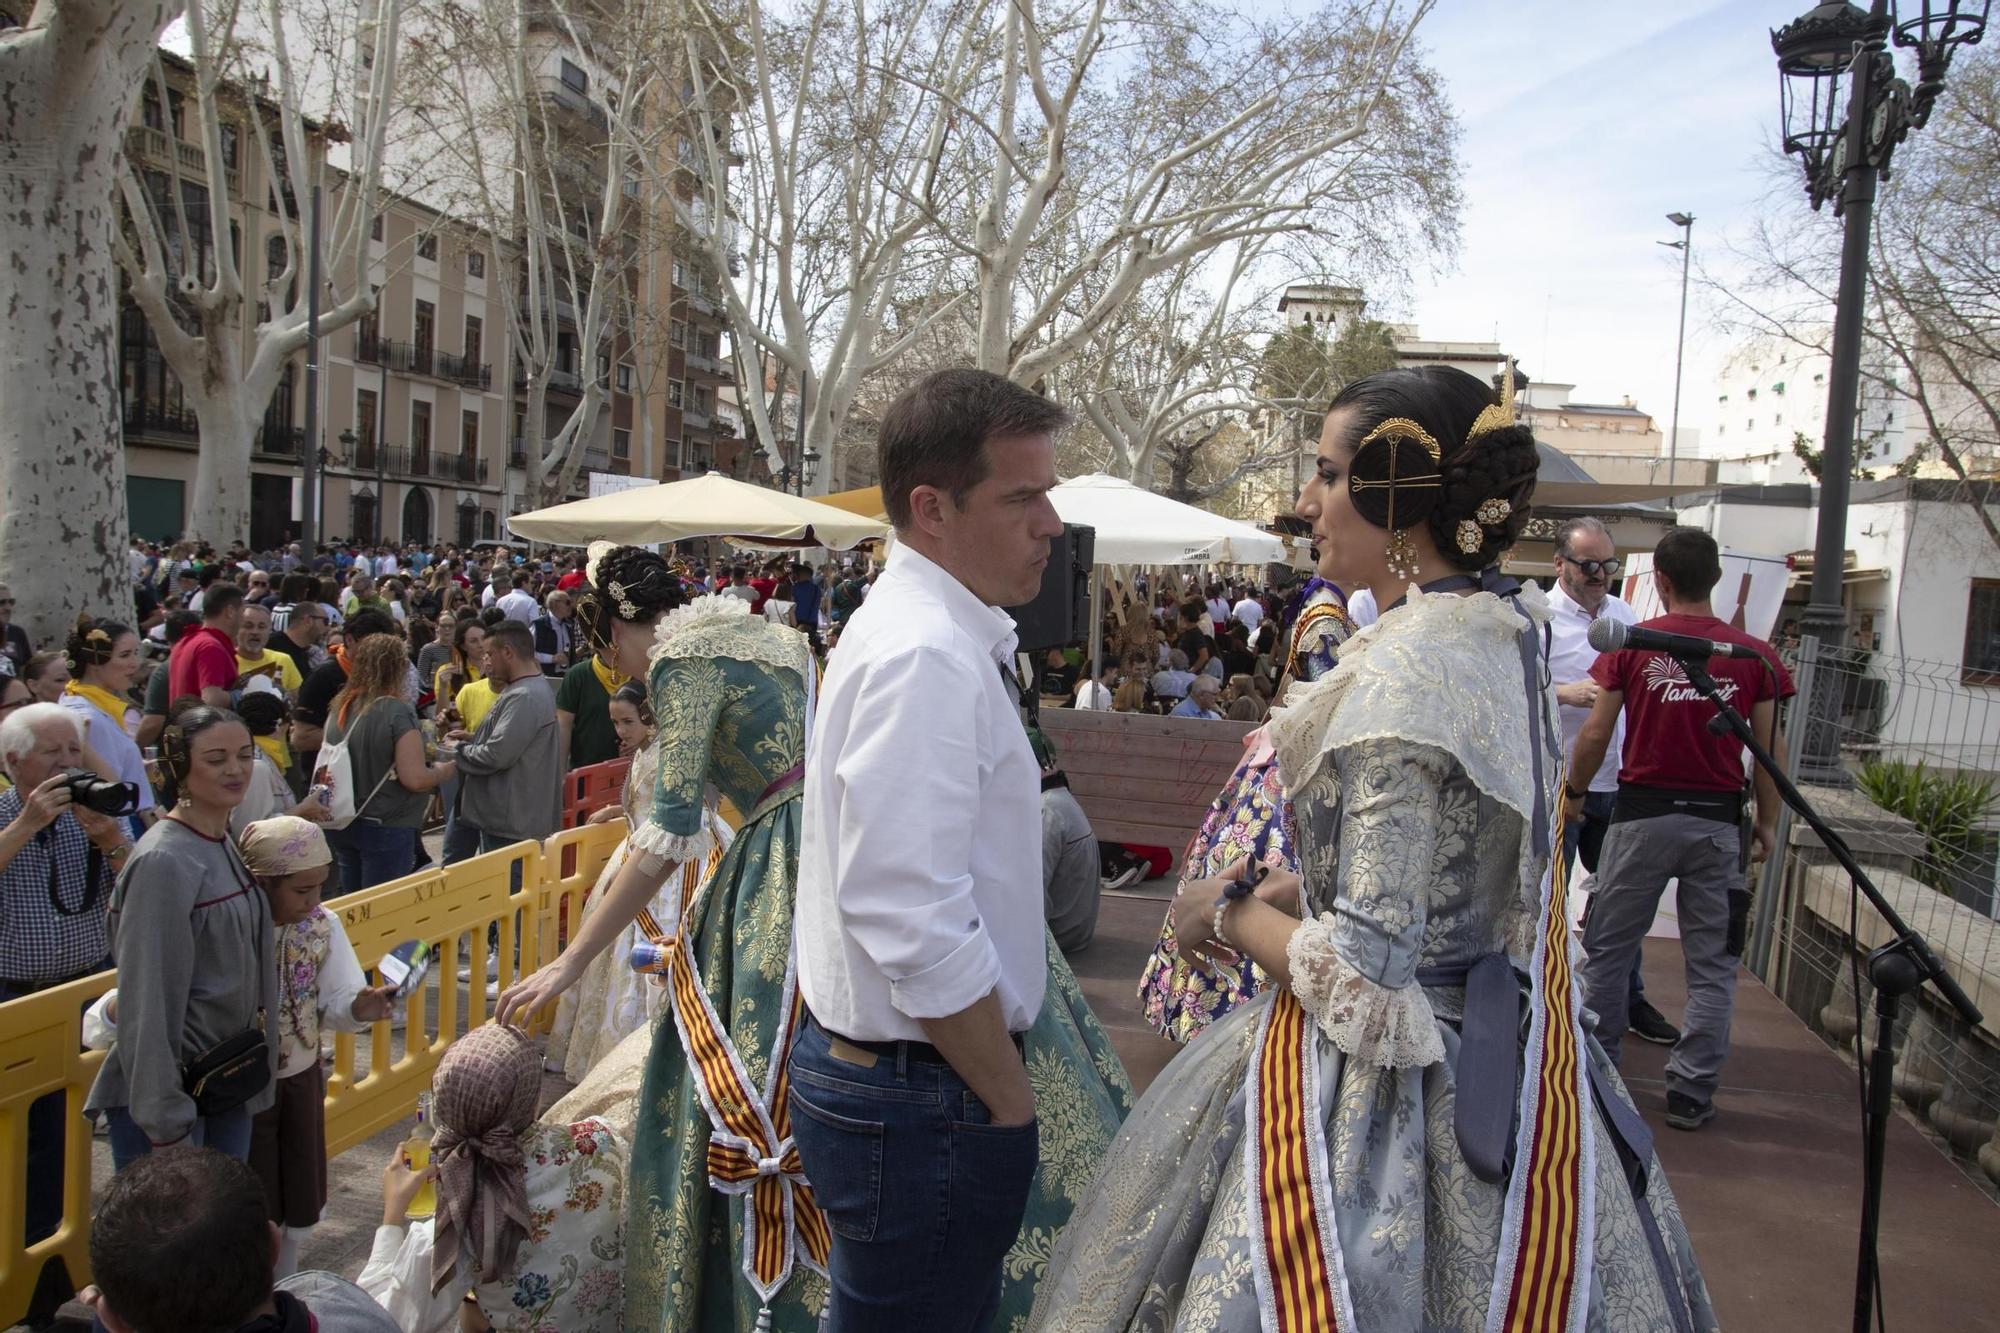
(229, 1073)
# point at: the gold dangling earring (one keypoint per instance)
(1402, 557)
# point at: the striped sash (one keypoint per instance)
(750, 1149)
(1541, 1281)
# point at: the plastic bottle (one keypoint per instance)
(417, 1152)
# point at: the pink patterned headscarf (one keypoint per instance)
(484, 1098)
(283, 845)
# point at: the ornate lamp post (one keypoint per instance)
(1845, 110)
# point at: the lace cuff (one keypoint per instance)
(652, 841)
(1389, 1026)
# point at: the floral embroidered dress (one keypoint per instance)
(611, 1001)
(1249, 819)
(731, 694)
(1349, 1151)
(568, 1276)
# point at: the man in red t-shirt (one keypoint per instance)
(1680, 814)
(203, 663)
(572, 580)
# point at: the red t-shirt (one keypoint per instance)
(202, 658)
(571, 580)
(763, 588)
(1667, 740)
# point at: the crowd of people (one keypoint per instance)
(783, 1034)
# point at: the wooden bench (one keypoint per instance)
(1142, 779)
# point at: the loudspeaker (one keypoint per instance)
(1060, 613)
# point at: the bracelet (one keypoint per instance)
(1234, 891)
(1572, 792)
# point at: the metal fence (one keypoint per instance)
(1920, 743)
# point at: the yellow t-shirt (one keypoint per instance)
(474, 702)
(279, 666)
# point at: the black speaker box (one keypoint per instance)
(1060, 613)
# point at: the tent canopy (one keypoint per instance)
(1134, 527)
(707, 506)
(1137, 527)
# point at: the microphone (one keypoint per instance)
(1608, 636)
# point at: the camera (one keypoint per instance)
(94, 793)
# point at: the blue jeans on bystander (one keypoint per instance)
(368, 854)
(923, 1193)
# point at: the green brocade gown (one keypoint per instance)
(730, 695)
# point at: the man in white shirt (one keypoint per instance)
(919, 923)
(1095, 695)
(1249, 612)
(515, 603)
(1587, 565)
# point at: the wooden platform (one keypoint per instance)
(1144, 780)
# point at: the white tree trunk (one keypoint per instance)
(66, 85)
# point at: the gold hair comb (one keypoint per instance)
(1500, 415)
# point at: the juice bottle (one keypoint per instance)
(417, 1152)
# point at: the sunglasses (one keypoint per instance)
(1594, 568)
(6, 601)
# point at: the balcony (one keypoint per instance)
(693, 418)
(710, 369)
(577, 103)
(560, 381)
(143, 419)
(286, 442)
(464, 370)
(158, 148)
(398, 461)
(702, 303)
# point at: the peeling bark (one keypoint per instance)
(67, 81)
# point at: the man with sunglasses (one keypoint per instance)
(1587, 565)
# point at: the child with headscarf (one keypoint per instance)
(320, 983)
(530, 1218)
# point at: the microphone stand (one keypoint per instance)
(1896, 969)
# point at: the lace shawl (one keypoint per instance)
(1440, 672)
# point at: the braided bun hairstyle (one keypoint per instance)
(627, 583)
(1481, 501)
(91, 643)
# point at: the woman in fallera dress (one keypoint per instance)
(1408, 1130)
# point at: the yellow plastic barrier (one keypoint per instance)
(41, 1036)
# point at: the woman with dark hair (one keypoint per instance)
(731, 692)
(611, 1001)
(392, 778)
(1408, 1127)
(192, 937)
(103, 661)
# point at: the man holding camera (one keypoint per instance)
(57, 863)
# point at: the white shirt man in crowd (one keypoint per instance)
(515, 603)
(1587, 564)
(1248, 612)
(919, 933)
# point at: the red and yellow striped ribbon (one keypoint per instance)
(751, 1150)
(1544, 1282)
(1294, 1251)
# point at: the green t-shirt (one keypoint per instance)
(583, 697)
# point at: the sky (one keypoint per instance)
(1585, 123)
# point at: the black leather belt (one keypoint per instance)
(915, 1052)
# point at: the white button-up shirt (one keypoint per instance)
(1570, 659)
(920, 874)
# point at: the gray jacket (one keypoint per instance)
(512, 766)
(191, 933)
(337, 1305)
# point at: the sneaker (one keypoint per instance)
(1125, 878)
(492, 968)
(1649, 1024)
(1684, 1112)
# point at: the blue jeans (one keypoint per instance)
(370, 854)
(1583, 839)
(226, 1133)
(923, 1193)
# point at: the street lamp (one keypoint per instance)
(1845, 110)
(1685, 221)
